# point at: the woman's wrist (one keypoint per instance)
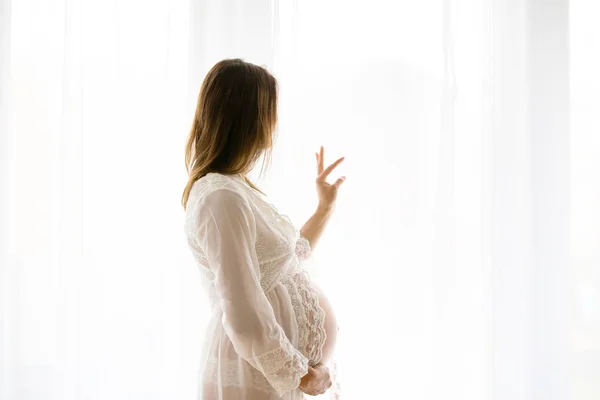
(313, 228)
(325, 209)
(306, 378)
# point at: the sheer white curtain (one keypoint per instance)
(95, 272)
(462, 260)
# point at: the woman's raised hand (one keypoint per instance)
(326, 192)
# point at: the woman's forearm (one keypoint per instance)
(314, 227)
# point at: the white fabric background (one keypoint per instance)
(463, 260)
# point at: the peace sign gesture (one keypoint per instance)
(326, 192)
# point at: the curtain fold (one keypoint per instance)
(5, 278)
(550, 137)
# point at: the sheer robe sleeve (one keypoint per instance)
(303, 249)
(227, 234)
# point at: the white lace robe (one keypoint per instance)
(267, 325)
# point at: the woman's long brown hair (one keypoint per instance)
(234, 122)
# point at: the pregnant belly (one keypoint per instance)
(330, 325)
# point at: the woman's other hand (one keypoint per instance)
(326, 192)
(317, 381)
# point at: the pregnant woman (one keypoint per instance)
(272, 332)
